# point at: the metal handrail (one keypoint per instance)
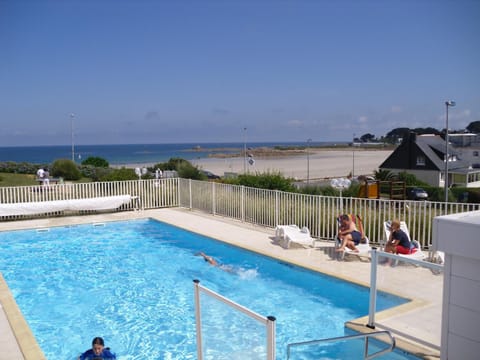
(366, 337)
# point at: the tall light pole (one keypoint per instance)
(308, 160)
(244, 150)
(72, 116)
(353, 156)
(447, 105)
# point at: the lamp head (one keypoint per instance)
(450, 103)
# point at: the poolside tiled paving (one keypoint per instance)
(418, 319)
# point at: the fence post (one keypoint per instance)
(271, 337)
(214, 208)
(190, 192)
(277, 208)
(242, 205)
(198, 320)
(373, 289)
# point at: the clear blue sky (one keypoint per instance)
(201, 71)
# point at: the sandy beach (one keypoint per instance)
(323, 164)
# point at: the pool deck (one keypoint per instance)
(419, 319)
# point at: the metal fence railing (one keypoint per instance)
(148, 194)
(270, 208)
(267, 208)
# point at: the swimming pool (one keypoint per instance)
(131, 282)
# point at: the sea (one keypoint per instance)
(134, 153)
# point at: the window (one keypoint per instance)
(475, 153)
(420, 160)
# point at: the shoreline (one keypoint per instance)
(316, 164)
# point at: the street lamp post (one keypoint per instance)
(244, 150)
(447, 105)
(353, 156)
(72, 116)
(308, 160)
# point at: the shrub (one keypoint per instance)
(188, 171)
(96, 162)
(66, 169)
(120, 175)
(270, 181)
(410, 179)
(94, 173)
(20, 168)
(184, 168)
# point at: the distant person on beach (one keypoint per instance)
(40, 173)
(98, 351)
(348, 234)
(46, 177)
(398, 243)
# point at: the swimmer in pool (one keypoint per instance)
(208, 259)
(214, 262)
(98, 351)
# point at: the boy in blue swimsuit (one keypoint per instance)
(98, 351)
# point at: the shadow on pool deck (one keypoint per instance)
(418, 319)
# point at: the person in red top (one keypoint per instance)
(398, 243)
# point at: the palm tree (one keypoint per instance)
(384, 175)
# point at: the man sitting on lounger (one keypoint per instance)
(348, 234)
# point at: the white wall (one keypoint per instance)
(458, 236)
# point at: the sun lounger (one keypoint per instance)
(286, 235)
(418, 254)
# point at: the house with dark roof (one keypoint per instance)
(424, 157)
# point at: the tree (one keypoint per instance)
(367, 137)
(474, 127)
(384, 175)
(395, 134)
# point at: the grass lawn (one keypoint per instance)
(8, 179)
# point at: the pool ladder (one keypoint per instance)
(365, 337)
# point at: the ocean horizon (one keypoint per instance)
(123, 154)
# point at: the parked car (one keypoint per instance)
(209, 174)
(417, 194)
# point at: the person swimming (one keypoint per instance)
(98, 351)
(214, 262)
(207, 258)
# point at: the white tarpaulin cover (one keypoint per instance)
(41, 207)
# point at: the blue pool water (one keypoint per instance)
(131, 283)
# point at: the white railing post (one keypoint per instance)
(373, 289)
(271, 337)
(242, 205)
(277, 208)
(190, 193)
(214, 208)
(198, 320)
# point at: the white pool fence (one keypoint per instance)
(267, 208)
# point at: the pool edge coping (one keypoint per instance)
(26, 341)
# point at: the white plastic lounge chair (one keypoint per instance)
(363, 249)
(418, 255)
(285, 235)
